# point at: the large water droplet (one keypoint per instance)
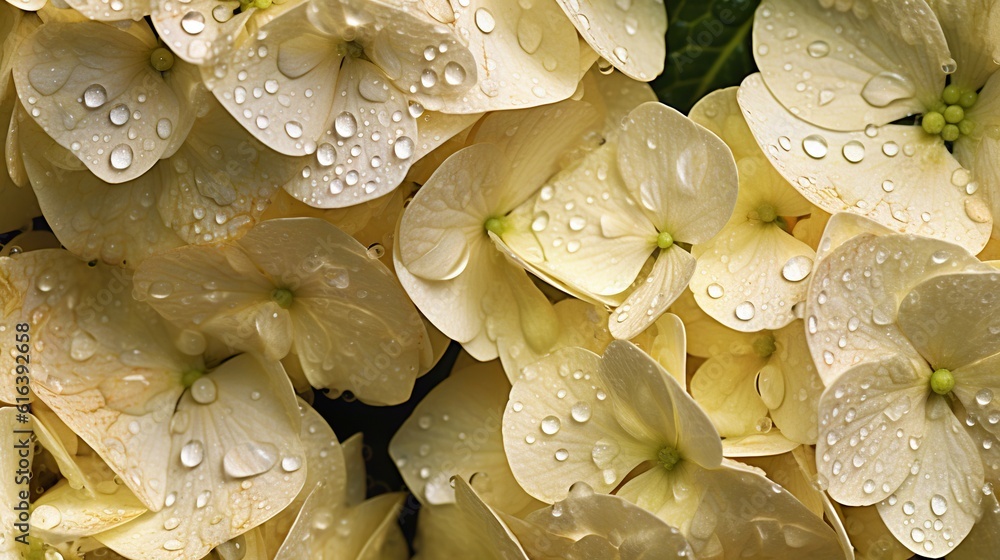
(580, 412)
(119, 115)
(818, 49)
(403, 147)
(95, 96)
(715, 291)
(485, 20)
(886, 87)
(193, 23)
(82, 347)
(550, 425)
(815, 146)
(745, 311)
(46, 517)
(454, 74)
(984, 396)
(604, 452)
(249, 459)
(121, 157)
(192, 454)
(797, 268)
(345, 125)
(939, 505)
(854, 151)
(203, 390)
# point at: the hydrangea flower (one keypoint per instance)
(301, 287)
(339, 82)
(622, 418)
(750, 275)
(155, 410)
(835, 76)
(903, 332)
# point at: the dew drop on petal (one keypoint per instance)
(204, 391)
(95, 96)
(192, 454)
(345, 125)
(403, 147)
(485, 20)
(121, 157)
(797, 268)
(580, 412)
(562, 455)
(745, 311)
(715, 291)
(193, 23)
(249, 459)
(939, 505)
(550, 425)
(815, 146)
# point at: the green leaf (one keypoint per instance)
(708, 47)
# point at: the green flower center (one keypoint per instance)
(764, 346)
(664, 240)
(190, 376)
(259, 4)
(942, 381)
(767, 213)
(668, 457)
(947, 117)
(283, 297)
(497, 224)
(161, 59)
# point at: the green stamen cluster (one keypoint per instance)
(764, 345)
(283, 297)
(668, 457)
(664, 240)
(942, 381)
(767, 213)
(161, 59)
(259, 4)
(190, 376)
(947, 118)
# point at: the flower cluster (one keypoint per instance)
(769, 328)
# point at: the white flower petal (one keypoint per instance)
(560, 427)
(902, 178)
(578, 219)
(108, 11)
(199, 31)
(871, 425)
(726, 388)
(485, 525)
(939, 502)
(76, 92)
(758, 445)
(671, 273)
(63, 513)
(855, 295)
(683, 176)
(222, 465)
(367, 147)
(952, 319)
(840, 228)
(800, 385)
(720, 113)
(984, 538)
(961, 20)
(618, 94)
(845, 66)
(629, 35)
(429, 450)
(537, 44)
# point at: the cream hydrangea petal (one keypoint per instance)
(706, 336)
(952, 319)
(20, 204)
(653, 407)
(420, 55)
(961, 20)
(108, 11)
(63, 513)
(871, 425)
(618, 94)
(340, 293)
(851, 64)
(536, 43)
(438, 539)
(975, 385)
(667, 345)
(762, 444)
(790, 379)
(750, 275)
(720, 113)
(725, 387)
(902, 178)
(592, 525)
(214, 454)
(201, 31)
(855, 296)
(939, 502)
(629, 35)
(368, 147)
(984, 538)
(671, 273)
(577, 219)
(560, 427)
(113, 223)
(288, 59)
(683, 176)
(795, 472)
(869, 536)
(444, 224)
(76, 92)
(840, 228)
(215, 187)
(430, 450)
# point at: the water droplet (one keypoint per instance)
(948, 66)
(815, 146)
(984, 396)
(868, 486)
(745, 311)
(886, 87)
(192, 454)
(909, 508)
(291, 464)
(854, 151)
(939, 505)
(550, 425)
(580, 412)
(888, 186)
(249, 459)
(818, 49)
(485, 21)
(173, 544)
(715, 291)
(797, 268)
(917, 535)
(403, 147)
(604, 452)
(293, 129)
(621, 53)
(562, 455)
(121, 157)
(345, 125)
(454, 74)
(119, 115)
(203, 390)
(95, 96)
(163, 128)
(193, 23)
(203, 499)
